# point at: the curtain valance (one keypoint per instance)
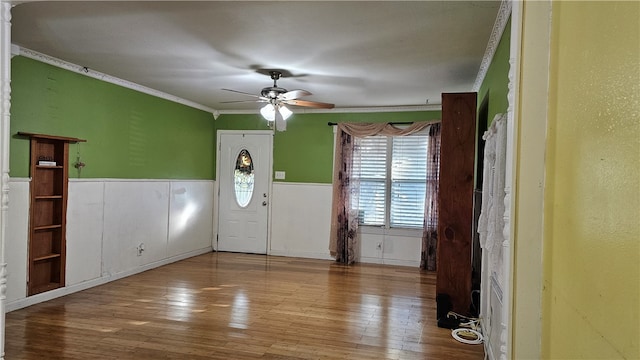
(387, 129)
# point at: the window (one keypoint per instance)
(393, 176)
(243, 178)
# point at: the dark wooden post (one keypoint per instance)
(455, 217)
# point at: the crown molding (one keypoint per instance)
(82, 70)
(504, 13)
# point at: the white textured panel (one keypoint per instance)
(390, 246)
(84, 231)
(371, 247)
(134, 213)
(17, 238)
(300, 224)
(403, 248)
(190, 216)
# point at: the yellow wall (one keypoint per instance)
(591, 255)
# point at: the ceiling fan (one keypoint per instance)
(277, 96)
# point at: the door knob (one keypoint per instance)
(264, 203)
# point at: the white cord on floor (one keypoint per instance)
(478, 340)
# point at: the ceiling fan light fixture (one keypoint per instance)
(276, 97)
(268, 112)
(285, 112)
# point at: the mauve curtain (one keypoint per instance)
(343, 243)
(343, 240)
(430, 230)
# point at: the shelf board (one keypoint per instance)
(50, 137)
(47, 197)
(46, 257)
(49, 167)
(44, 287)
(47, 227)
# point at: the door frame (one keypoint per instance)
(216, 194)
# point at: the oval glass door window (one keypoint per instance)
(243, 178)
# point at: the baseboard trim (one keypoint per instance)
(409, 263)
(306, 255)
(53, 294)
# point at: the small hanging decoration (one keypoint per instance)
(78, 164)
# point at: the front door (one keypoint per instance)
(244, 172)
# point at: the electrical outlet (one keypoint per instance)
(140, 249)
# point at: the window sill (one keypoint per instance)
(381, 230)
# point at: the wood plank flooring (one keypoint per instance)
(239, 306)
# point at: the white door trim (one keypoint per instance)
(216, 194)
(531, 46)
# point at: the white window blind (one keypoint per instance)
(373, 179)
(392, 180)
(408, 181)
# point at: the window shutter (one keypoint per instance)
(408, 181)
(373, 175)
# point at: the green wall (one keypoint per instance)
(495, 85)
(494, 90)
(129, 134)
(305, 150)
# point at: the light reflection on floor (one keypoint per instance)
(239, 311)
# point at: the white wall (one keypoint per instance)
(390, 246)
(106, 221)
(301, 220)
(17, 233)
(85, 229)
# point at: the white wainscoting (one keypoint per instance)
(301, 221)
(85, 230)
(17, 233)
(135, 214)
(190, 216)
(107, 219)
(390, 246)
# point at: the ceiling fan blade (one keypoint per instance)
(294, 94)
(243, 93)
(244, 101)
(313, 104)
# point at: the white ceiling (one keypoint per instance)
(353, 54)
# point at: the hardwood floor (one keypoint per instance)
(239, 306)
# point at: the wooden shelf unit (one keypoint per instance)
(48, 211)
(455, 210)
